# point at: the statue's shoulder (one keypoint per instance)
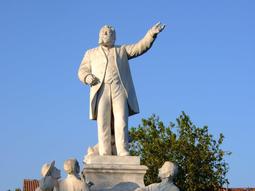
(92, 50)
(120, 48)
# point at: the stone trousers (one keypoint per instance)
(112, 114)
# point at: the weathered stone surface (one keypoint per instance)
(97, 159)
(114, 172)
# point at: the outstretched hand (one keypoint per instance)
(157, 28)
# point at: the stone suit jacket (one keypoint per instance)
(95, 62)
(169, 186)
(72, 183)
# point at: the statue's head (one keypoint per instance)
(47, 168)
(107, 36)
(50, 170)
(168, 169)
(71, 166)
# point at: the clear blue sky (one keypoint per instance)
(203, 64)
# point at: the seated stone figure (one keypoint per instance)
(50, 174)
(72, 182)
(166, 173)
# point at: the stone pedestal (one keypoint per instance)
(114, 172)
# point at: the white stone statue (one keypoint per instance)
(166, 173)
(50, 174)
(112, 94)
(73, 181)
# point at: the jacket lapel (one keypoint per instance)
(115, 57)
(103, 53)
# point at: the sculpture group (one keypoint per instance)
(73, 182)
(108, 166)
(77, 182)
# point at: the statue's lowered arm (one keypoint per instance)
(84, 72)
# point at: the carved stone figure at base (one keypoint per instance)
(50, 174)
(95, 150)
(73, 181)
(166, 173)
(112, 93)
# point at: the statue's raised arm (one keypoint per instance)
(137, 49)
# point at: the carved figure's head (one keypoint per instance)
(168, 169)
(107, 36)
(47, 168)
(71, 166)
(50, 170)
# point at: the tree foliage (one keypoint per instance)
(198, 155)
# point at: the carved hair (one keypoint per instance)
(71, 166)
(100, 41)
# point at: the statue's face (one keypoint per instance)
(166, 170)
(107, 36)
(162, 172)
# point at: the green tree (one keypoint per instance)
(198, 155)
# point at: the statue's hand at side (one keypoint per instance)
(91, 80)
(157, 28)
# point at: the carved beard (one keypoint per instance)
(109, 42)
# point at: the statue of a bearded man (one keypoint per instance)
(112, 94)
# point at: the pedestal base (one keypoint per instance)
(114, 172)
